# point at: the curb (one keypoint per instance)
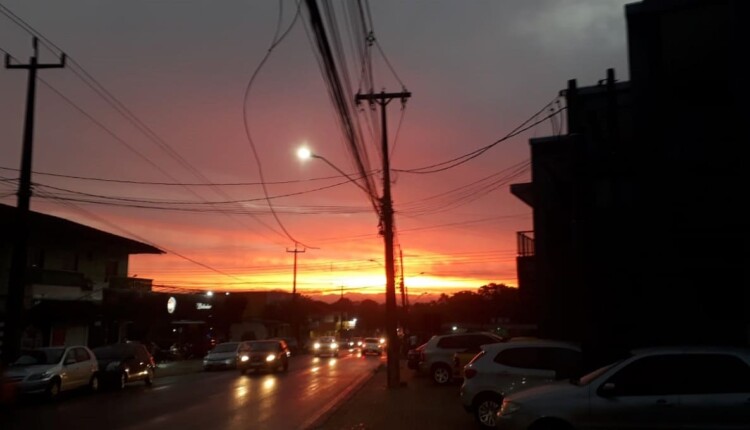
(331, 407)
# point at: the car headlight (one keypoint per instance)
(244, 358)
(508, 408)
(40, 376)
(271, 357)
(334, 345)
(316, 345)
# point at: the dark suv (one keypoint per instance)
(272, 355)
(121, 363)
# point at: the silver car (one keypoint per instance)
(665, 388)
(503, 368)
(223, 356)
(53, 370)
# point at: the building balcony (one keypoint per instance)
(525, 243)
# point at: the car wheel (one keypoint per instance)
(149, 381)
(485, 409)
(122, 379)
(53, 389)
(94, 383)
(441, 374)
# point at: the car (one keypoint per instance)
(436, 358)
(658, 387)
(326, 346)
(355, 343)
(222, 356)
(122, 363)
(413, 357)
(461, 359)
(53, 370)
(371, 345)
(291, 342)
(258, 355)
(499, 369)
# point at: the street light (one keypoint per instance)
(304, 153)
(384, 208)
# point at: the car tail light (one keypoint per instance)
(470, 373)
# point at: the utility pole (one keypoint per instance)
(295, 317)
(17, 275)
(386, 218)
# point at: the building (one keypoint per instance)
(70, 267)
(640, 232)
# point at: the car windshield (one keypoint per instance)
(225, 347)
(40, 356)
(113, 352)
(371, 340)
(263, 346)
(327, 340)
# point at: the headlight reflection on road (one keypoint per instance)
(269, 383)
(314, 369)
(332, 362)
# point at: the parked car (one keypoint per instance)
(257, 355)
(53, 370)
(122, 363)
(326, 345)
(436, 359)
(461, 359)
(372, 345)
(413, 357)
(668, 387)
(222, 356)
(502, 368)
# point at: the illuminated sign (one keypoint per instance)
(202, 306)
(171, 305)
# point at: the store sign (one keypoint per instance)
(171, 305)
(202, 306)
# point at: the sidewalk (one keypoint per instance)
(181, 367)
(420, 404)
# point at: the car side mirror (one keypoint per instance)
(607, 390)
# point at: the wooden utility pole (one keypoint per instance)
(17, 276)
(295, 316)
(386, 219)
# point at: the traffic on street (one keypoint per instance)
(223, 399)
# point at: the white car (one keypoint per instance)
(372, 345)
(53, 370)
(222, 356)
(503, 368)
(326, 345)
(669, 387)
(436, 358)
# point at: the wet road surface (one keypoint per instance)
(206, 400)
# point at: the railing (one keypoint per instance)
(135, 284)
(525, 243)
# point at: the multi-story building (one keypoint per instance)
(70, 265)
(640, 229)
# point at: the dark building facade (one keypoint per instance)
(640, 232)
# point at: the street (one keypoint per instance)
(205, 400)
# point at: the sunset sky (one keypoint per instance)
(476, 70)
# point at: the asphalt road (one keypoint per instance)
(205, 400)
